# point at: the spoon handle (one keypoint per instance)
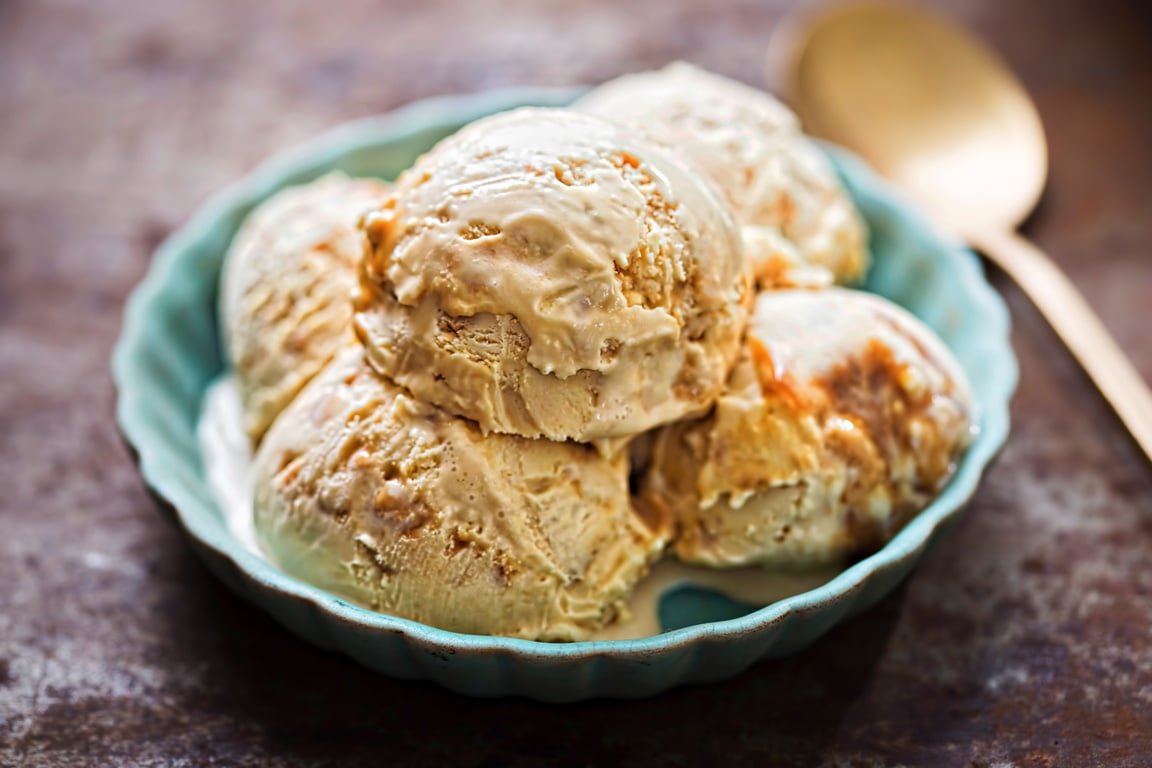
(1077, 324)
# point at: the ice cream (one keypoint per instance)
(540, 289)
(842, 420)
(368, 493)
(800, 227)
(547, 273)
(286, 286)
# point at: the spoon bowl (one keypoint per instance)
(926, 105)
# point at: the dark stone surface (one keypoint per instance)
(1025, 638)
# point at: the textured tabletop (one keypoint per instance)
(1024, 638)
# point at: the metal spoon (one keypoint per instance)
(939, 114)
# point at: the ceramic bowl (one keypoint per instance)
(169, 353)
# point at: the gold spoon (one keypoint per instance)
(940, 115)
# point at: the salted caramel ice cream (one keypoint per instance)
(547, 273)
(441, 375)
(842, 420)
(371, 494)
(799, 225)
(286, 288)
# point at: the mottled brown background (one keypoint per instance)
(1024, 639)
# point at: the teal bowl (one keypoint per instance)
(168, 354)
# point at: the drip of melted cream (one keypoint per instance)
(227, 457)
(751, 586)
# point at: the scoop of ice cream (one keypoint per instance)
(370, 494)
(842, 419)
(548, 273)
(799, 224)
(285, 290)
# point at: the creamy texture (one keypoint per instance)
(368, 493)
(285, 290)
(842, 419)
(547, 273)
(800, 227)
(227, 458)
